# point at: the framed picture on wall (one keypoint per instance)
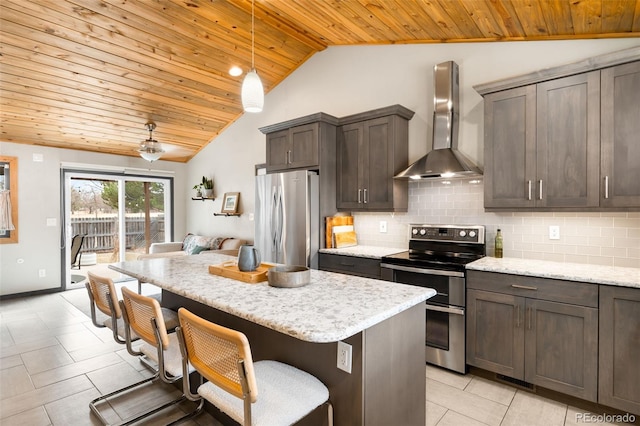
(230, 202)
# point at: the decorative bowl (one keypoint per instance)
(289, 276)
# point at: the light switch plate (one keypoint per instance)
(554, 232)
(383, 226)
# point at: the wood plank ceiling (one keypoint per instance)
(88, 74)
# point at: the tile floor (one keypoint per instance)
(53, 361)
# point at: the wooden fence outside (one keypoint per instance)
(101, 234)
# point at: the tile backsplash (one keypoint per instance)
(601, 238)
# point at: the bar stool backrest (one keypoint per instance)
(219, 354)
(140, 312)
(104, 295)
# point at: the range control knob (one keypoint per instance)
(414, 231)
(423, 231)
(472, 234)
(463, 233)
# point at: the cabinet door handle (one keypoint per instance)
(365, 196)
(359, 196)
(606, 187)
(529, 196)
(529, 317)
(517, 316)
(540, 181)
(289, 157)
(524, 287)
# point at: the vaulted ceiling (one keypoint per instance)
(88, 74)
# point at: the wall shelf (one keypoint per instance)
(227, 214)
(203, 198)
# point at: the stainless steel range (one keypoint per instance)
(436, 258)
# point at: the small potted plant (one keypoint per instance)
(198, 189)
(207, 187)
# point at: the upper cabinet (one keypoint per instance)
(297, 144)
(620, 143)
(371, 148)
(563, 139)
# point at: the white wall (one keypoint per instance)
(346, 80)
(39, 192)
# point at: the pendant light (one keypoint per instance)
(252, 90)
(150, 149)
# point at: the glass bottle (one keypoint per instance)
(498, 246)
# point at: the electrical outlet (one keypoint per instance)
(383, 226)
(42, 273)
(344, 357)
(554, 232)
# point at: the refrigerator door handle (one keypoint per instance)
(274, 230)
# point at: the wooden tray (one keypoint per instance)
(230, 270)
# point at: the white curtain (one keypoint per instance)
(6, 224)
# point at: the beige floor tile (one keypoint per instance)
(14, 381)
(72, 370)
(74, 410)
(21, 348)
(10, 362)
(434, 413)
(45, 359)
(451, 418)
(110, 378)
(34, 417)
(532, 410)
(493, 391)
(29, 400)
(465, 403)
(448, 377)
(78, 340)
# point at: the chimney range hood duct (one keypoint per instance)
(444, 160)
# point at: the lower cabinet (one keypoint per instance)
(619, 374)
(542, 331)
(351, 265)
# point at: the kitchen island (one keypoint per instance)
(382, 322)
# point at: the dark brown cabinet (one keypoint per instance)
(542, 144)
(620, 127)
(371, 148)
(619, 373)
(350, 265)
(298, 144)
(538, 330)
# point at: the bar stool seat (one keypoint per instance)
(303, 394)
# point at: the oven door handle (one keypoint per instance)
(422, 270)
(448, 310)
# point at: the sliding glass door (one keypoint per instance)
(117, 216)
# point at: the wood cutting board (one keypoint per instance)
(230, 270)
(332, 221)
(345, 239)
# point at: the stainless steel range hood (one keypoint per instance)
(444, 160)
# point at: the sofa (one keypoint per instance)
(194, 244)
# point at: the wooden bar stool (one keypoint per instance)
(223, 357)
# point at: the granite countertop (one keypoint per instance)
(371, 252)
(610, 275)
(330, 308)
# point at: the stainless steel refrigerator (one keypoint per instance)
(287, 218)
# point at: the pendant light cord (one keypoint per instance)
(253, 35)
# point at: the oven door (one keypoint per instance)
(444, 313)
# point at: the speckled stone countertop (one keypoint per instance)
(610, 275)
(372, 252)
(330, 308)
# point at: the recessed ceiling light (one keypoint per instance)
(235, 71)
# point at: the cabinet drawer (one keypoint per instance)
(573, 292)
(351, 265)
